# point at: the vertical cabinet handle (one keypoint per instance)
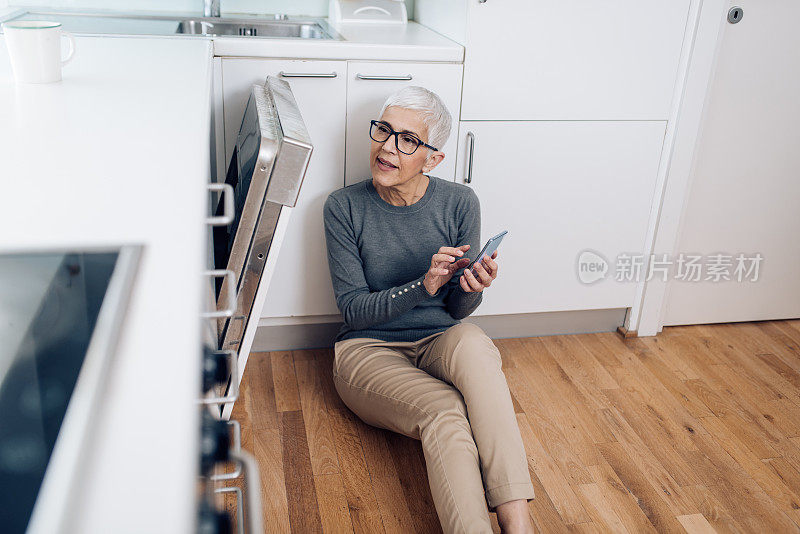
(239, 506)
(231, 295)
(471, 140)
(253, 518)
(234, 394)
(370, 77)
(227, 196)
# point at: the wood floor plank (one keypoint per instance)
(585, 371)
(284, 380)
(784, 339)
(649, 500)
(713, 511)
(394, 511)
(577, 423)
(660, 369)
(790, 326)
(655, 434)
(301, 495)
(740, 494)
(643, 458)
(590, 527)
(362, 503)
(780, 492)
(385, 480)
(267, 450)
(668, 417)
(554, 442)
(696, 524)
(261, 394)
(740, 351)
(409, 463)
(599, 508)
(332, 500)
(601, 351)
(551, 510)
(725, 405)
(790, 478)
(558, 349)
(622, 501)
(315, 414)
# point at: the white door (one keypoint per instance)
(301, 283)
(559, 188)
(367, 90)
(584, 59)
(745, 189)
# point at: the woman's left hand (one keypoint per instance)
(485, 273)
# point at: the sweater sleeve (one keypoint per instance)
(360, 307)
(459, 303)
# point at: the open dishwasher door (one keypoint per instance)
(266, 171)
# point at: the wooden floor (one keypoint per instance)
(696, 429)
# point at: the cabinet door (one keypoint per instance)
(552, 59)
(301, 284)
(560, 187)
(365, 97)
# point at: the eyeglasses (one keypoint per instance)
(405, 142)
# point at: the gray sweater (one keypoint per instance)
(378, 255)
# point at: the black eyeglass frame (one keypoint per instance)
(396, 137)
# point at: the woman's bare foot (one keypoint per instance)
(514, 518)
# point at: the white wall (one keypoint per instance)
(316, 8)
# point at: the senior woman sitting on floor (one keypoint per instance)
(397, 246)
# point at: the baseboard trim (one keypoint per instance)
(624, 332)
(310, 335)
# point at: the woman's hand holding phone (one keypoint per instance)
(448, 260)
(485, 272)
(443, 265)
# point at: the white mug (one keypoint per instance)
(35, 50)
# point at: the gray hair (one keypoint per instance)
(434, 113)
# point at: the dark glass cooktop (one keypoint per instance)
(50, 310)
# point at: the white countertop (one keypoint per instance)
(378, 42)
(118, 152)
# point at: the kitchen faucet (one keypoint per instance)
(211, 8)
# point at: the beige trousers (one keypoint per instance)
(448, 391)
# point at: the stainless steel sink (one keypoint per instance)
(290, 29)
(151, 23)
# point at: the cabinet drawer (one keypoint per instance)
(560, 187)
(584, 60)
(365, 97)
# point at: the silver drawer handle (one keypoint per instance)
(253, 518)
(471, 139)
(234, 394)
(227, 196)
(368, 77)
(237, 446)
(228, 312)
(306, 75)
(239, 505)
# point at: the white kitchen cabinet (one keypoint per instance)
(560, 187)
(365, 97)
(557, 59)
(301, 282)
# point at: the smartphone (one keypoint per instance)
(488, 249)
